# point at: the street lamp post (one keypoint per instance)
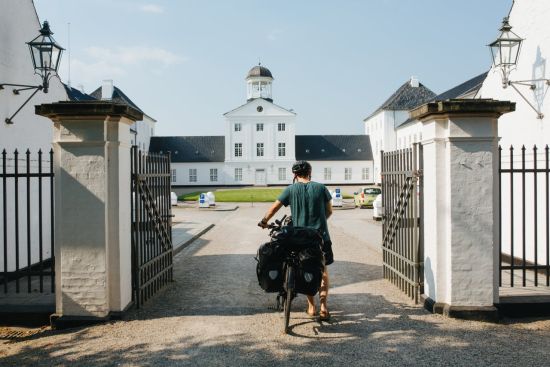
(46, 56)
(505, 53)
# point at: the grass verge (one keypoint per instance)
(239, 195)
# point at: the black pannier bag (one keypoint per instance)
(298, 237)
(310, 273)
(270, 267)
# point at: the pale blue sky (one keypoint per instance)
(334, 62)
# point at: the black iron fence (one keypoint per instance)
(151, 224)
(524, 217)
(402, 250)
(27, 222)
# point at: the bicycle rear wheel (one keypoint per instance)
(289, 285)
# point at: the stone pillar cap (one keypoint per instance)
(88, 109)
(463, 107)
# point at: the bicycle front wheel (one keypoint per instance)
(289, 285)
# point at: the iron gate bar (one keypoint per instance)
(547, 220)
(5, 221)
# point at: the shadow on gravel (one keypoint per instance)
(226, 285)
(365, 329)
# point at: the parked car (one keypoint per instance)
(377, 208)
(173, 198)
(365, 197)
(337, 199)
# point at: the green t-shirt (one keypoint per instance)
(308, 202)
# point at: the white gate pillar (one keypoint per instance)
(92, 209)
(460, 146)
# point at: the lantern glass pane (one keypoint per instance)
(46, 51)
(36, 57)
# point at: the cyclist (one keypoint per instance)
(310, 206)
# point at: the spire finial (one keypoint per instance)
(259, 62)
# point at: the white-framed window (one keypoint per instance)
(365, 172)
(174, 177)
(192, 175)
(259, 127)
(328, 173)
(282, 149)
(238, 174)
(347, 174)
(238, 149)
(282, 174)
(213, 174)
(281, 126)
(259, 149)
(238, 127)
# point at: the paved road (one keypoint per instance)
(216, 315)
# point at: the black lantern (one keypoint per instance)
(45, 54)
(505, 50)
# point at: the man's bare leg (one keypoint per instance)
(323, 294)
(311, 306)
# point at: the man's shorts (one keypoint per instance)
(327, 252)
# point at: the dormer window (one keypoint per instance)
(307, 151)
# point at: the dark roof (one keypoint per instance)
(76, 95)
(259, 70)
(469, 86)
(333, 148)
(190, 148)
(460, 90)
(406, 98)
(118, 96)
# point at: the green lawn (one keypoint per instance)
(239, 195)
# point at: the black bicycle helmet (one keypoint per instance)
(301, 168)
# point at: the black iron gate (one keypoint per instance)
(27, 223)
(524, 217)
(402, 247)
(151, 224)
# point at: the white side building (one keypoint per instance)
(382, 124)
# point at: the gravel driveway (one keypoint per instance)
(216, 315)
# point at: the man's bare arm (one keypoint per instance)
(328, 209)
(271, 211)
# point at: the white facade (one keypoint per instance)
(381, 129)
(259, 139)
(19, 24)
(529, 19)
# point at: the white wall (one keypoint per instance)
(19, 24)
(529, 19)
(408, 134)
(337, 169)
(226, 173)
(144, 129)
(381, 129)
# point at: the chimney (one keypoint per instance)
(107, 90)
(414, 82)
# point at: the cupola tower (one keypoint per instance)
(258, 83)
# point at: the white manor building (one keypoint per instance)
(260, 145)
